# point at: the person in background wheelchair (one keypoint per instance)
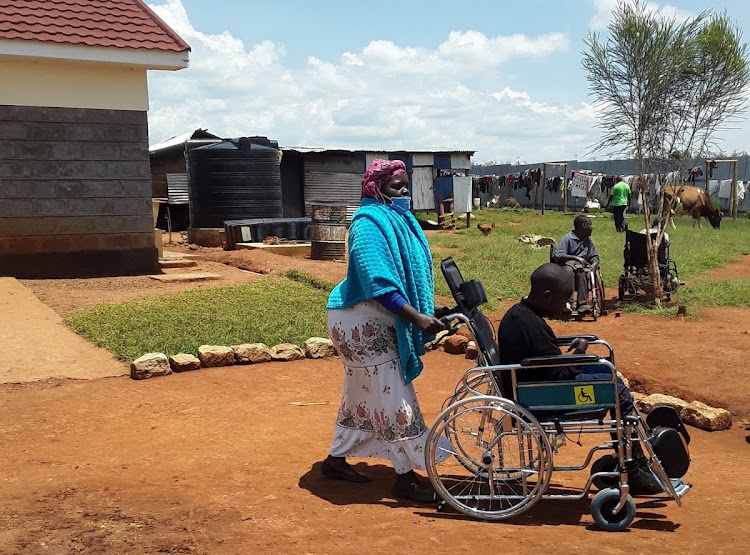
(523, 333)
(636, 273)
(656, 227)
(577, 254)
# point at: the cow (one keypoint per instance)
(695, 201)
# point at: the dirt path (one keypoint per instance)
(36, 345)
(738, 269)
(234, 267)
(217, 461)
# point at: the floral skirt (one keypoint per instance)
(379, 416)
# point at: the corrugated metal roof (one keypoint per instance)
(181, 140)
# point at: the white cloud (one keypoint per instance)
(386, 95)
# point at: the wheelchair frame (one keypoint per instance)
(503, 446)
(635, 267)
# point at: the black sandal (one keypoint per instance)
(344, 472)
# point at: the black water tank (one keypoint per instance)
(234, 179)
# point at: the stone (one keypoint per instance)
(215, 355)
(638, 399)
(656, 399)
(704, 417)
(472, 352)
(624, 380)
(440, 338)
(150, 365)
(696, 414)
(535, 241)
(182, 362)
(456, 344)
(251, 353)
(286, 351)
(319, 347)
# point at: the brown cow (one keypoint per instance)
(695, 201)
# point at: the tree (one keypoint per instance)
(663, 90)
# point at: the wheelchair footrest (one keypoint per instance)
(680, 487)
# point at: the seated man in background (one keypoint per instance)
(523, 333)
(656, 227)
(577, 254)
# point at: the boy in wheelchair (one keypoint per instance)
(577, 254)
(523, 333)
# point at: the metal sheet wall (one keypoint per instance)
(177, 188)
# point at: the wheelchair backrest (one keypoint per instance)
(468, 296)
(636, 250)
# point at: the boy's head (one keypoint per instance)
(582, 227)
(551, 287)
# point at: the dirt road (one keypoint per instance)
(218, 461)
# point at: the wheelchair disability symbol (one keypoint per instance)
(585, 395)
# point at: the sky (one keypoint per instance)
(498, 77)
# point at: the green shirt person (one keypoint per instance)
(620, 194)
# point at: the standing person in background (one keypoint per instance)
(379, 319)
(620, 195)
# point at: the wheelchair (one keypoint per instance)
(505, 434)
(595, 295)
(636, 276)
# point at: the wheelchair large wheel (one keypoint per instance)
(627, 289)
(597, 295)
(500, 463)
(480, 382)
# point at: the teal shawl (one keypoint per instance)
(389, 252)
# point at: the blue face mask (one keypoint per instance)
(401, 204)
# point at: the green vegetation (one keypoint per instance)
(716, 293)
(291, 308)
(274, 310)
(301, 277)
(503, 265)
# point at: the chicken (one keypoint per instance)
(486, 228)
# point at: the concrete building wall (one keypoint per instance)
(75, 192)
(73, 85)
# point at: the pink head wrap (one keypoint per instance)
(379, 172)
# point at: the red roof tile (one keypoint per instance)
(110, 23)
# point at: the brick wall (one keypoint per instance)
(75, 193)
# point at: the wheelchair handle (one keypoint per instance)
(449, 326)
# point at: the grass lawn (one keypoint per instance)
(291, 308)
(503, 265)
(271, 311)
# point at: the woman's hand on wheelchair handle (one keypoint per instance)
(429, 324)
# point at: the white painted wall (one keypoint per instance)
(422, 159)
(422, 189)
(460, 162)
(462, 195)
(73, 85)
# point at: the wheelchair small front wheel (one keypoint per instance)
(601, 509)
